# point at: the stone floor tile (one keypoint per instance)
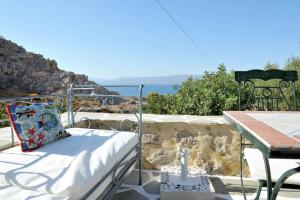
(153, 187)
(129, 195)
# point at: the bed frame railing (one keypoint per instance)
(89, 91)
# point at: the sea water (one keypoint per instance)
(132, 91)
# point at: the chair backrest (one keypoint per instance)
(267, 89)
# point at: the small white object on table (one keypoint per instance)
(196, 187)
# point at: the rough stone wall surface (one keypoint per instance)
(213, 147)
(23, 72)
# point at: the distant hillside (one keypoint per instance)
(23, 72)
(161, 80)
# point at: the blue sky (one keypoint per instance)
(116, 38)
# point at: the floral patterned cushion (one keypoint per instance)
(36, 125)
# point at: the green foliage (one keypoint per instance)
(216, 92)
(210, 95)
(157, 103)
(293, 63)
(271, 66)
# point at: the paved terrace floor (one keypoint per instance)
(226, 187)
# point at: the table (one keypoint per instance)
(275, 134)
(197, 187)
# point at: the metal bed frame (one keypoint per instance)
(123, 168)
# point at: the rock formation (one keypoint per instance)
(23, 72)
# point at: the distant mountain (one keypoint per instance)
(159, 80)
(23, 72)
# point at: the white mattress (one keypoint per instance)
(277, 166)
(65, 169)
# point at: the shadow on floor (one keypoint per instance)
(226, 188)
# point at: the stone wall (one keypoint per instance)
(213, 147)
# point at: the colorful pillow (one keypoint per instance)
(36, 125)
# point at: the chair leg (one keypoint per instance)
(258, 191)
(140, 170)
(281, 180)
(268, 176)
(241, 167)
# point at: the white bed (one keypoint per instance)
(65, 169)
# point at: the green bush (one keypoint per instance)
(210, 95)
(156, 104)
(214, 93)
(293, 63)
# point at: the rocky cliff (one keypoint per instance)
(23, 72)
